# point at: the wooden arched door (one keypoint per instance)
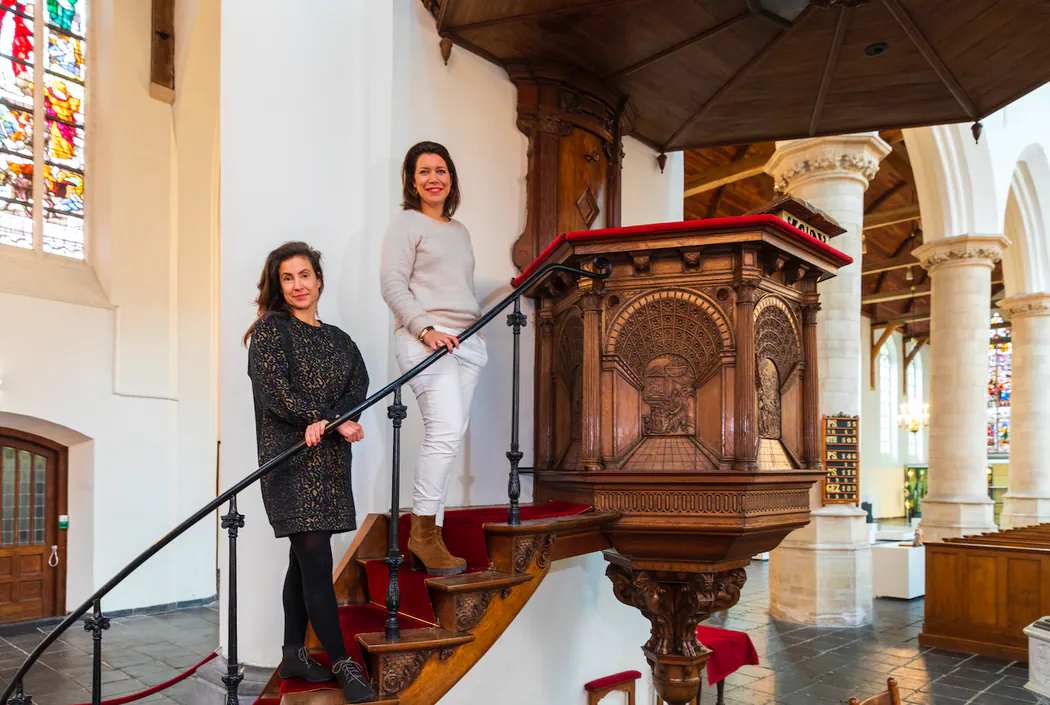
(32, 547)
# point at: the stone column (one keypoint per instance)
(1028, 499)
(745, 445)
(961, 285)
(821, 574)
(590, 451)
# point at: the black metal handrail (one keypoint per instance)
(233, 520)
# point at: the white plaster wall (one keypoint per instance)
(648, 195)
(391, 90)
(882, 474)
(122, 367)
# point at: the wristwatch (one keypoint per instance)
(423, 333)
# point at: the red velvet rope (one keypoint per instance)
(157, 688)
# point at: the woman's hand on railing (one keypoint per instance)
(351, 432)
(314, 432)
(435, 339)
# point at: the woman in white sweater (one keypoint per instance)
(427, 279)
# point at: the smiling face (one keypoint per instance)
(433, 181)
(299, 283)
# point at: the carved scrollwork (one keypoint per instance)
(525, 548)
(470, 608)
(674, 603)
(545, 544)
(400, 670)
(934, 259)
(776, 336)
(669, 322)
(863, 165)
(809, 314)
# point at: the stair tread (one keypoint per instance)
(472, 582)
(557, 525)
(414, 640)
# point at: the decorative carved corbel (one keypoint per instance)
(674, 603)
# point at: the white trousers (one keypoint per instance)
(444, 392)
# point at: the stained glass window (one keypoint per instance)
(1000, 369)
(42, 125)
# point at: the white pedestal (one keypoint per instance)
(760, 556)
(898, 571)
(873, 529)
(896, 533)
(915, 521)
(1038, 660)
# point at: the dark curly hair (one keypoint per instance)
(411, 200)
(271, 295)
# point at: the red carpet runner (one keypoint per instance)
(464, 534)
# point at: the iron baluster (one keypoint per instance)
(20, 698)
(396, 412)
(232, 522)
(517, 321)
(96, 624)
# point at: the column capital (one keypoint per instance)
(1026, 305)
(843, 156)
(809, 314)
(961, 250)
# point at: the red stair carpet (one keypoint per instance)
(464, 535)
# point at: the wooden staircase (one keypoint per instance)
(448, 623)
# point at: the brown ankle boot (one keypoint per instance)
(425, 547)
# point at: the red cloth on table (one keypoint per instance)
(615, 679)
(729, 651)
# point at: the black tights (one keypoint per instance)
(309, 595)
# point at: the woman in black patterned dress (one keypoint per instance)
(305, 374)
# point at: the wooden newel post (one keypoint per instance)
(745, 450)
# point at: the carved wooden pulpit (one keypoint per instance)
(682, 392)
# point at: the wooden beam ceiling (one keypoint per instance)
(669, 51)
(932, 58)
(895, 295)
(889, 265)
(736, 170)
(886, 218)
(829, 66)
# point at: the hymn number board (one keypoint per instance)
(841, 460)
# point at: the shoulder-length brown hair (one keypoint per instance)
(271, 295)
(410, 196)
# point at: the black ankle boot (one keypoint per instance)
(356, 688)
(297, 663)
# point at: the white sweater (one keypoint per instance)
(426, 273)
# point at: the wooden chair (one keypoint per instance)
(890, 697)
(618, 682)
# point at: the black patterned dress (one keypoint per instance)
(302, 374)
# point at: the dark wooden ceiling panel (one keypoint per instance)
(946, 60)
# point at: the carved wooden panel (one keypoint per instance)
(574, 126)
(665, 322)
(700, 502)
(568, 386)
(778, 351)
